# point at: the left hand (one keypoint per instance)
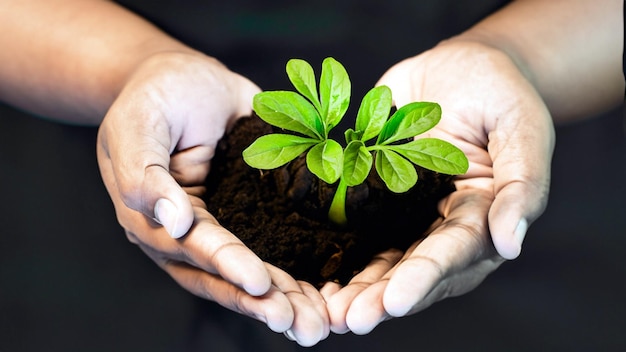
(497, 118)
(452, 260)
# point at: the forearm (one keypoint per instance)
(68, 59)
(570, 50)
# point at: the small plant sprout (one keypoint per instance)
(377, 138)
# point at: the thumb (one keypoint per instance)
(135, 168)
(521, 166)
(509, 220)
(172, 207)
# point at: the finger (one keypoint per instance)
(310, 323)
(273, 308)
(399, 78)
(460, 241)
(340, 303)
(458, 283)
(329, 289)
(367, 310)
(521, 148)
(213, 248)
(190, 167)
(318, 301)
(245, 93)
(207, 246)
(139, 164)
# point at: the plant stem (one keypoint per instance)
(337, 211)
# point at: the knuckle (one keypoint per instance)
(421, 261)
(130, 192)
(132, 238)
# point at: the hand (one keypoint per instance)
(498, 119)
(154, 149)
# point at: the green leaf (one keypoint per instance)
(289, 110)
(434, 154)
(274, 150)
(398, 173)
(334, 92)
(409, 121)
(302, 77)
(373, 112)
(352, 135)
(325, 160)
(357, 163)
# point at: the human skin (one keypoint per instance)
(162, 107)
(160, 128)
(504, 81)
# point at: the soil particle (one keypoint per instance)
(282, 214)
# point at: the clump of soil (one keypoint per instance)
(282, 214)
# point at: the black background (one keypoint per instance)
(70, 281)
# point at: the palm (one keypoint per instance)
(495, 116)
(160, 134)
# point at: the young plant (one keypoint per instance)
(377, 138)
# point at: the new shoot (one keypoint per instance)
(377, 139)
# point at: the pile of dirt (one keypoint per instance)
(282, 214)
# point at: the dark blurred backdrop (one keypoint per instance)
(70, 281)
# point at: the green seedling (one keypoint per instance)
(377, 138)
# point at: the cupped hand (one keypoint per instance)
(154, 150)
(491, 112)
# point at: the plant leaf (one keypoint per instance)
(289, 110)
(398, 173)
(409, 121)
(274, 150)
(373, 112)
(357, 163)
(334, 92)
(352, 135)
(302, 77)
(325, 160)
(434, 154)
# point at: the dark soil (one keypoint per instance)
(282, 214)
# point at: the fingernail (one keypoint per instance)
(166, 214)
(520, 231)
(289, 334)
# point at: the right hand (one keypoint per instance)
(154, 149)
